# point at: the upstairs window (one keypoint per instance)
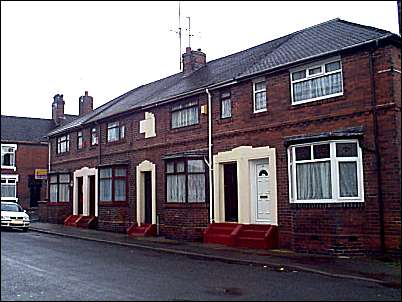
(326, 172)
(9, 187)
(226, 105)
(94, 136)
(63, 144)
(8, 156)
(115, 132)
(59, 188)
(259, 95)
(80, 140)
(113, 184)
(316, 82)
(184, 114)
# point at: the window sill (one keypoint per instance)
(9, 168)
(259, 113)
(175, 205)
(225, 120)
(113, 203)
(185, 128)
(119, 142)
(329, 204)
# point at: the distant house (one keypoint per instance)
(294, 143)
(25, 157)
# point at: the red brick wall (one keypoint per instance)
(350, 228)
(28, 157)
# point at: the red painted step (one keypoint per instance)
(144, 230)
(71, 219)
(221, 233)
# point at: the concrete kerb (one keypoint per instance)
(277, 266)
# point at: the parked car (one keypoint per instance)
(14, 216)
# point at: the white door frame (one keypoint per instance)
(85, 172)
(145, 166)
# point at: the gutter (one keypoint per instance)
(377, 150)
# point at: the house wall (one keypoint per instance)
(346, 228)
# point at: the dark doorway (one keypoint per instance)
(230, 190)
(148, 197)
(80, 194)
(35, 186)
(92, 195)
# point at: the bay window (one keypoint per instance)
(184, 114)
(185, 180)
(316, 81)
(113, 184)
(59, 187)
(328, 171)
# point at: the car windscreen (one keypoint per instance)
(11, 208)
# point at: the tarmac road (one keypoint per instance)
(38, 266)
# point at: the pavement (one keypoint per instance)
(382, 270)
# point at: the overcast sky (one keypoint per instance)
(109, 48)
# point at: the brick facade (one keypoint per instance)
(342, 228)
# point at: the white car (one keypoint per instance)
(14, 216)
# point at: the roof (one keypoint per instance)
(325, 38)
(28, 129)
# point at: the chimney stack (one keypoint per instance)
(193, 60)
(85, 104)
(58, 109)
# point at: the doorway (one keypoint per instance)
(34, 190)
(147, 196)
(92, 195)
(80, 195)
(230, 192)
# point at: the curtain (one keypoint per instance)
(119, 189)
(8, 190)
(348, 179)
(113, 134)
(176, 188)
(226, 108)
(196, 188)
(185, 117)
(64, 192)
(260, 100)
(53, 192)
(317, 87)
(313, 180)
(105, 189)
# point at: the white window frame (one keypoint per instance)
(255, 82)
(14, 147)
(7, 178)
(63, 140)
(120, 131)
(310, 77)
(334, 163)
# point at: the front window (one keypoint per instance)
(59, 187)
(316, 82)
(94, 136)
(260, 95)
(9, 187)
(326, 172)
(185, 114)
(113, 184)
(115, 131)
(63, 144)
(226, 105)
(8, 156)
(80, 140)
(185, 180)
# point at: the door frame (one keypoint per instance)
(85, 172)
(145, 166)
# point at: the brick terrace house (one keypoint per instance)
(294, 143)
(24, 149)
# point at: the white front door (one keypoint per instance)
(262, 197)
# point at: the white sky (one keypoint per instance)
(109, 48)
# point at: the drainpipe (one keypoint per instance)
(377, 150)
(211, 203)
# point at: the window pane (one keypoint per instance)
(346, 149)
(303, 153)
(348, 179)
(180, 166)
(113, 125)
(196, 166)
(260, 100)
(196, 188)
(185, 117)
(332, 66)
(314, 70)
(64, 192)
(321, 151)
(120, 172)
(113, 134)
(119, 189)
(53, 179)
(259, 86)
(64, 178)
(105, 173)
(53, 193)
(298, 75)
(122, 131)
(105, 189)
(176, 188)
(226, 107)
(314, 88)
(170, 167)
(8, 190)
(313, 181)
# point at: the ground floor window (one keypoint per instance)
(59, 188)
(9, 187)
(113, 184)
(185, 180)
(329, 171)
